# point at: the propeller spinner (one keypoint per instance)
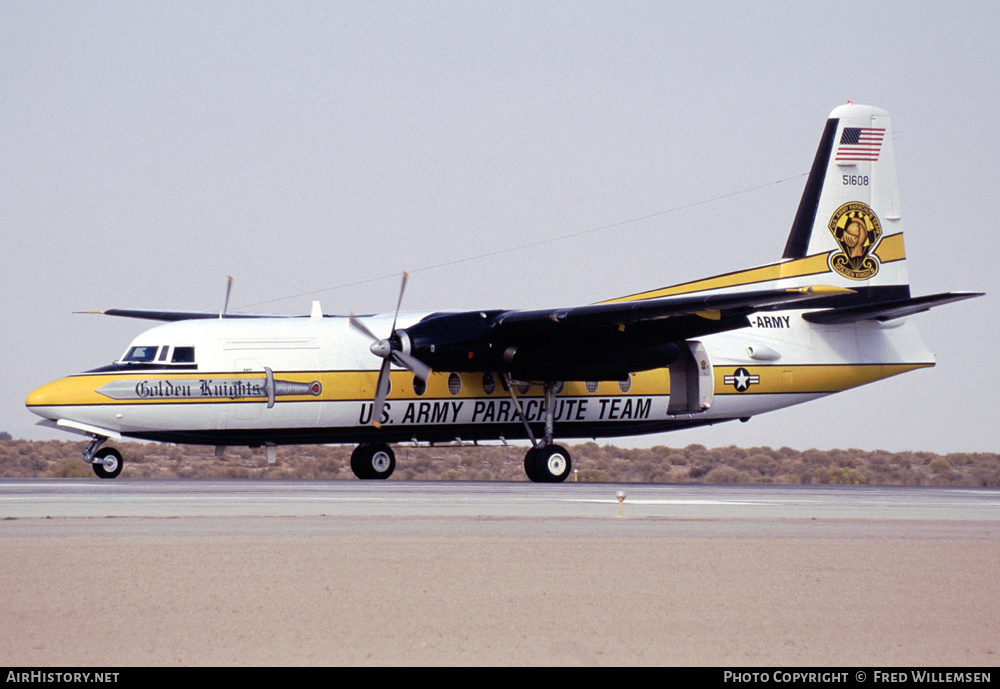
(392, 350)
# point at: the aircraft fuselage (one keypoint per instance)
(323, 377)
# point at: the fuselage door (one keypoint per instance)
(692, 381)
(247, 411)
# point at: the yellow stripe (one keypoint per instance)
(360, 385)
(810, 378)
(337, 386)
(889, 249)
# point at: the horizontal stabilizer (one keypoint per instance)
(886, 310)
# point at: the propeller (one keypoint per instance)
(225, 306)
(392, 351)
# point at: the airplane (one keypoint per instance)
(832, 314)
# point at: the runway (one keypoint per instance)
(203, 498)
(135, 572)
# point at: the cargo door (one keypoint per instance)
(692, 381)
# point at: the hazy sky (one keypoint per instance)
(148, 150)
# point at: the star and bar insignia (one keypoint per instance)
(741, 379)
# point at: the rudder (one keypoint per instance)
(849, 209)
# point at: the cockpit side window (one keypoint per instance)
(140, 355)
(183, 355)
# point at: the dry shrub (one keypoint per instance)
(727, 474)
(70, 468)
(593, 475)
(661, 464)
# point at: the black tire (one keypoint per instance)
(373, 461)
(108, 463)
(529, 465)
(549, 464)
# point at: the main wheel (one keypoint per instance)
(373, 461)
(549, 464)
(107, 463)
(529, 465)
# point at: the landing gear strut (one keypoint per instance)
(545, 462)
(373, 460)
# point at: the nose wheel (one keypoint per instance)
(107, 463)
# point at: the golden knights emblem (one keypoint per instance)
(856, 229)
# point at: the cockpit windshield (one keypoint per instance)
(140, 355)
(147, 354)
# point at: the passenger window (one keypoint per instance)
(163, 353)
(183, 355)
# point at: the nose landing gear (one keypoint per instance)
(107, 463)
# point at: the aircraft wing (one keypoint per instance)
(170, 316)
(709, 307)
(581, 316)
(595, 342)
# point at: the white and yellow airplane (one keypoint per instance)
(832, 314)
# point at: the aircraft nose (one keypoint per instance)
(42, 399)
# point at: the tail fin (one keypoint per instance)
(850, 207)
(847, 232)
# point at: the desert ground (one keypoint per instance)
(316, 590)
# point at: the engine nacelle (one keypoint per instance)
(453, 341)
(587, 362)
(467, 342)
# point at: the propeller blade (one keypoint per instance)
(229, 288)
(399, 303)
(362, 328)
(381, 392)
(412, 364)
(384, 348)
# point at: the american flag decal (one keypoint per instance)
(860, 143)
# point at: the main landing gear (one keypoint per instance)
(373, 461)
(547, 464)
